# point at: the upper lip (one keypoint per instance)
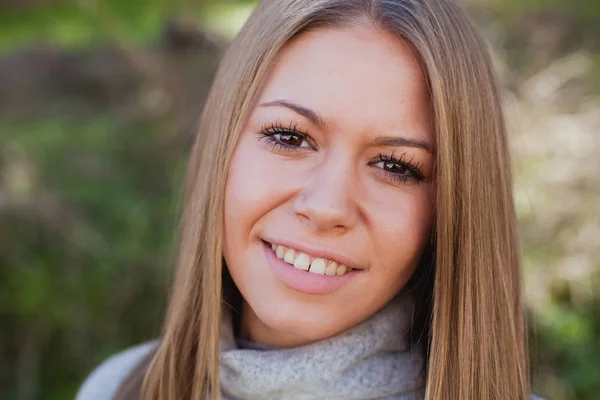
(314, 252)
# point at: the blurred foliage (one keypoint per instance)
(80, 23)
(98, 105)
(84, 23)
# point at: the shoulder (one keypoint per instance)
(104, 381)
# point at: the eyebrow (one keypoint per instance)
(403, 142)
(315, 118)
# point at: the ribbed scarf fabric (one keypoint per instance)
(373, 360)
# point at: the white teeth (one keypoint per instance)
(302, 261)
(299, 260)
(280, 252)
(289, 256)
(318, 266)
(332, 268)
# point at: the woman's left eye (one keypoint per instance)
(393, 166)
(399, 170)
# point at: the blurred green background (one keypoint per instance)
(98, 104)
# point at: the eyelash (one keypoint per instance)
(268, 132)
(415, 169)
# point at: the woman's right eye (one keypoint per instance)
(291, 139)
(286, 138)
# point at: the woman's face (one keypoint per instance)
(333, 169)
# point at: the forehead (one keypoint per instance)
(362, 74)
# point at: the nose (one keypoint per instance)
(327, 200)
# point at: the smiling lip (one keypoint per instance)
(304, 281)
(329, 255)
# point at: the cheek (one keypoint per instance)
(253, 187)
(401, 231)
(245, 179)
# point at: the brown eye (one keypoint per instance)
(396, 168)
(399, 170)
(291, 139)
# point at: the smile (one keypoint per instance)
(305, 262)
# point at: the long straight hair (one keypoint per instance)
(476, 345)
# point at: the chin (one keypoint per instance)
(301, 322)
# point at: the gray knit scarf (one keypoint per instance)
(373, 360)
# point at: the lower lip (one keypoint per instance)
(305, 281)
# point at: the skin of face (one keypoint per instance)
(328, 188)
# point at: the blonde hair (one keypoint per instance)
(476, 344)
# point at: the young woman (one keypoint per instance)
(349, 230)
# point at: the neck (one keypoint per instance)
(373, 359)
